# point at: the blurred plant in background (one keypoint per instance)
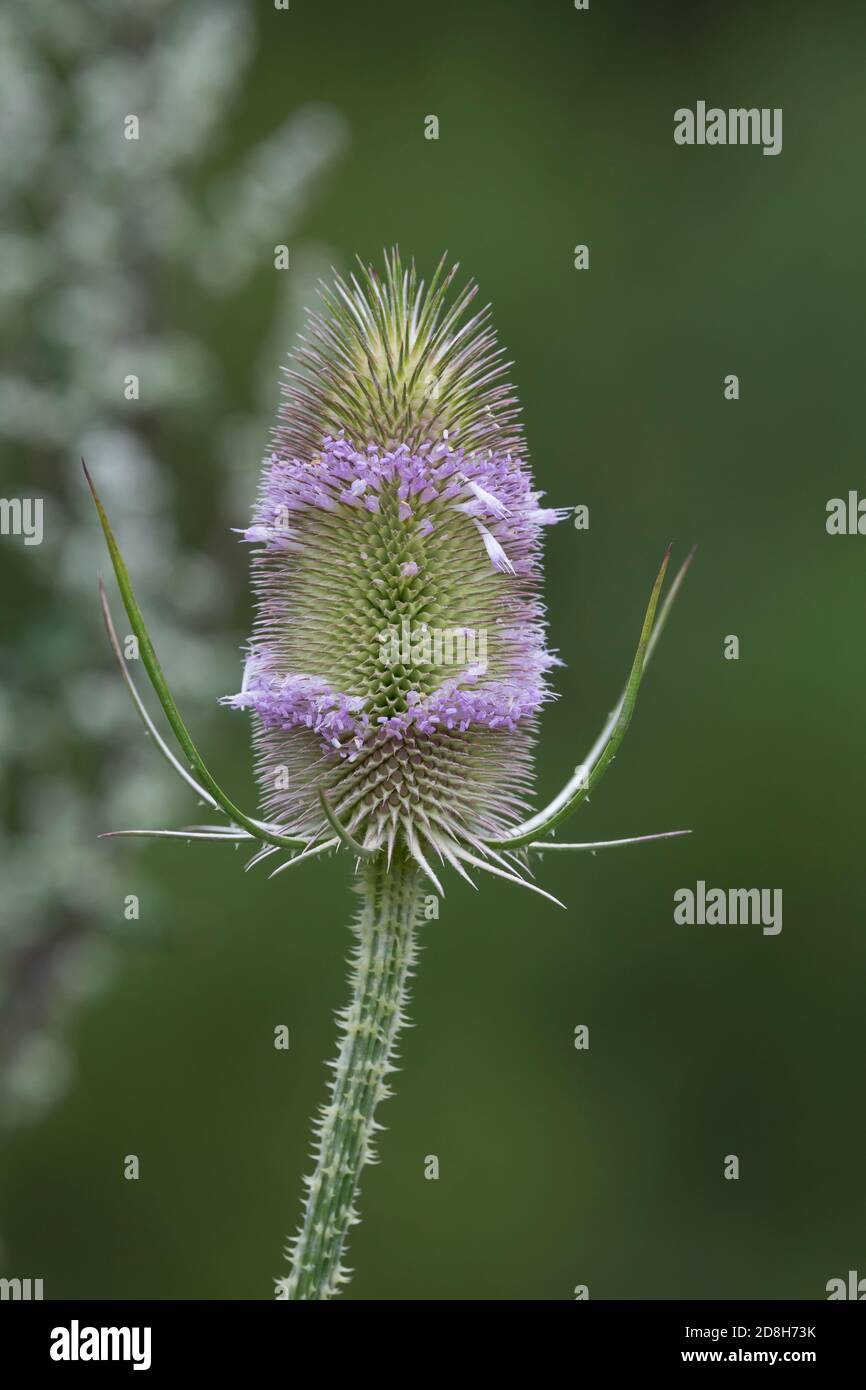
(94, 226)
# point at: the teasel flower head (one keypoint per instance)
(398, 661)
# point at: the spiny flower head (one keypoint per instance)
(398, 658)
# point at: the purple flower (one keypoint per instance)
(397, 495)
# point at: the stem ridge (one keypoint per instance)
(380, 966)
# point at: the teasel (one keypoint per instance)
(396, 497)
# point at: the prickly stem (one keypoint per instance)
(381, 964)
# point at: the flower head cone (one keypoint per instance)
(398, 659)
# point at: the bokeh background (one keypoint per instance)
(155, 1037)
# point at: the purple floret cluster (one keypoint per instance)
(494, 491)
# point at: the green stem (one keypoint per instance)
(380, 967)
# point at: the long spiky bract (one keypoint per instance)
(157, 680)
(397, 665)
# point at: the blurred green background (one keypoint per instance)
(558, 1167)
